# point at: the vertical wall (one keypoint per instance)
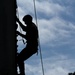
(7, 37)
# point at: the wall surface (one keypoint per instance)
(7, 37)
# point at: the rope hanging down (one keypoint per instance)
(38, 39)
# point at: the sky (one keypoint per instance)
(56, 25)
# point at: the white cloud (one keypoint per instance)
(49, 8)
(57, 65)
(55, 29)
(44, 7)
(26, 7)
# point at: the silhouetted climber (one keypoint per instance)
(31, 40)
(74, 73)
(71, 73)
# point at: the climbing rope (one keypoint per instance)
(38, 38)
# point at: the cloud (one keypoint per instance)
(43, 8)
(52, 25)
(56, 24)
(25, 7)
(55, 29)
(48, 9)
(57, 65)
(20, 43)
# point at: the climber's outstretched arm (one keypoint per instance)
(22, 35)
(22, 26)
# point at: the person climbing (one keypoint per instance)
(31, 40)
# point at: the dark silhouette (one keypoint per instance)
(71, 73)
(74, 73)
(31, 40)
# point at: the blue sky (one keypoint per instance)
(56, 25)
